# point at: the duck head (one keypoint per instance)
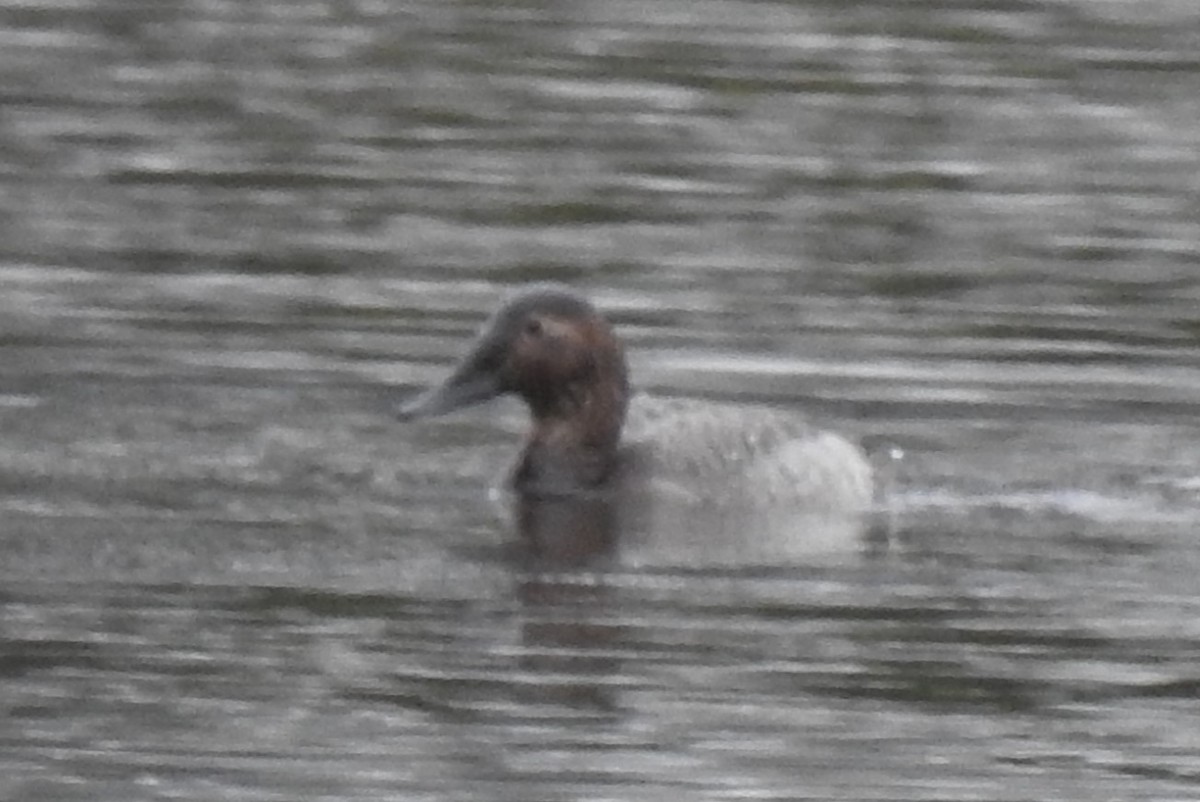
(551, 348)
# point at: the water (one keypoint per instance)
(234, 234)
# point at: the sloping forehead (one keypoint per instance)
(546, 299)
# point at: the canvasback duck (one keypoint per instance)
(551, 348)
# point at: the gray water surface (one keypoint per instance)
(236, 234)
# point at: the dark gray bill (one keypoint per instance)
(461, 389)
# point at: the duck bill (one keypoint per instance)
(466, 386)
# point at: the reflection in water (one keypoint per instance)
(582, 530)
(571, 639)
(674, 532)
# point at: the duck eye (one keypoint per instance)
(533, 327)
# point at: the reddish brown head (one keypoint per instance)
(550, 347)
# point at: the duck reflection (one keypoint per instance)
(566, 531)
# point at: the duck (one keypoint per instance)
(591, 435)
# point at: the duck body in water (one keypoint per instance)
(589, 437)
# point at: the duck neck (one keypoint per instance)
(576, 433)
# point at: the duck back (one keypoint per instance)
(744, 456)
